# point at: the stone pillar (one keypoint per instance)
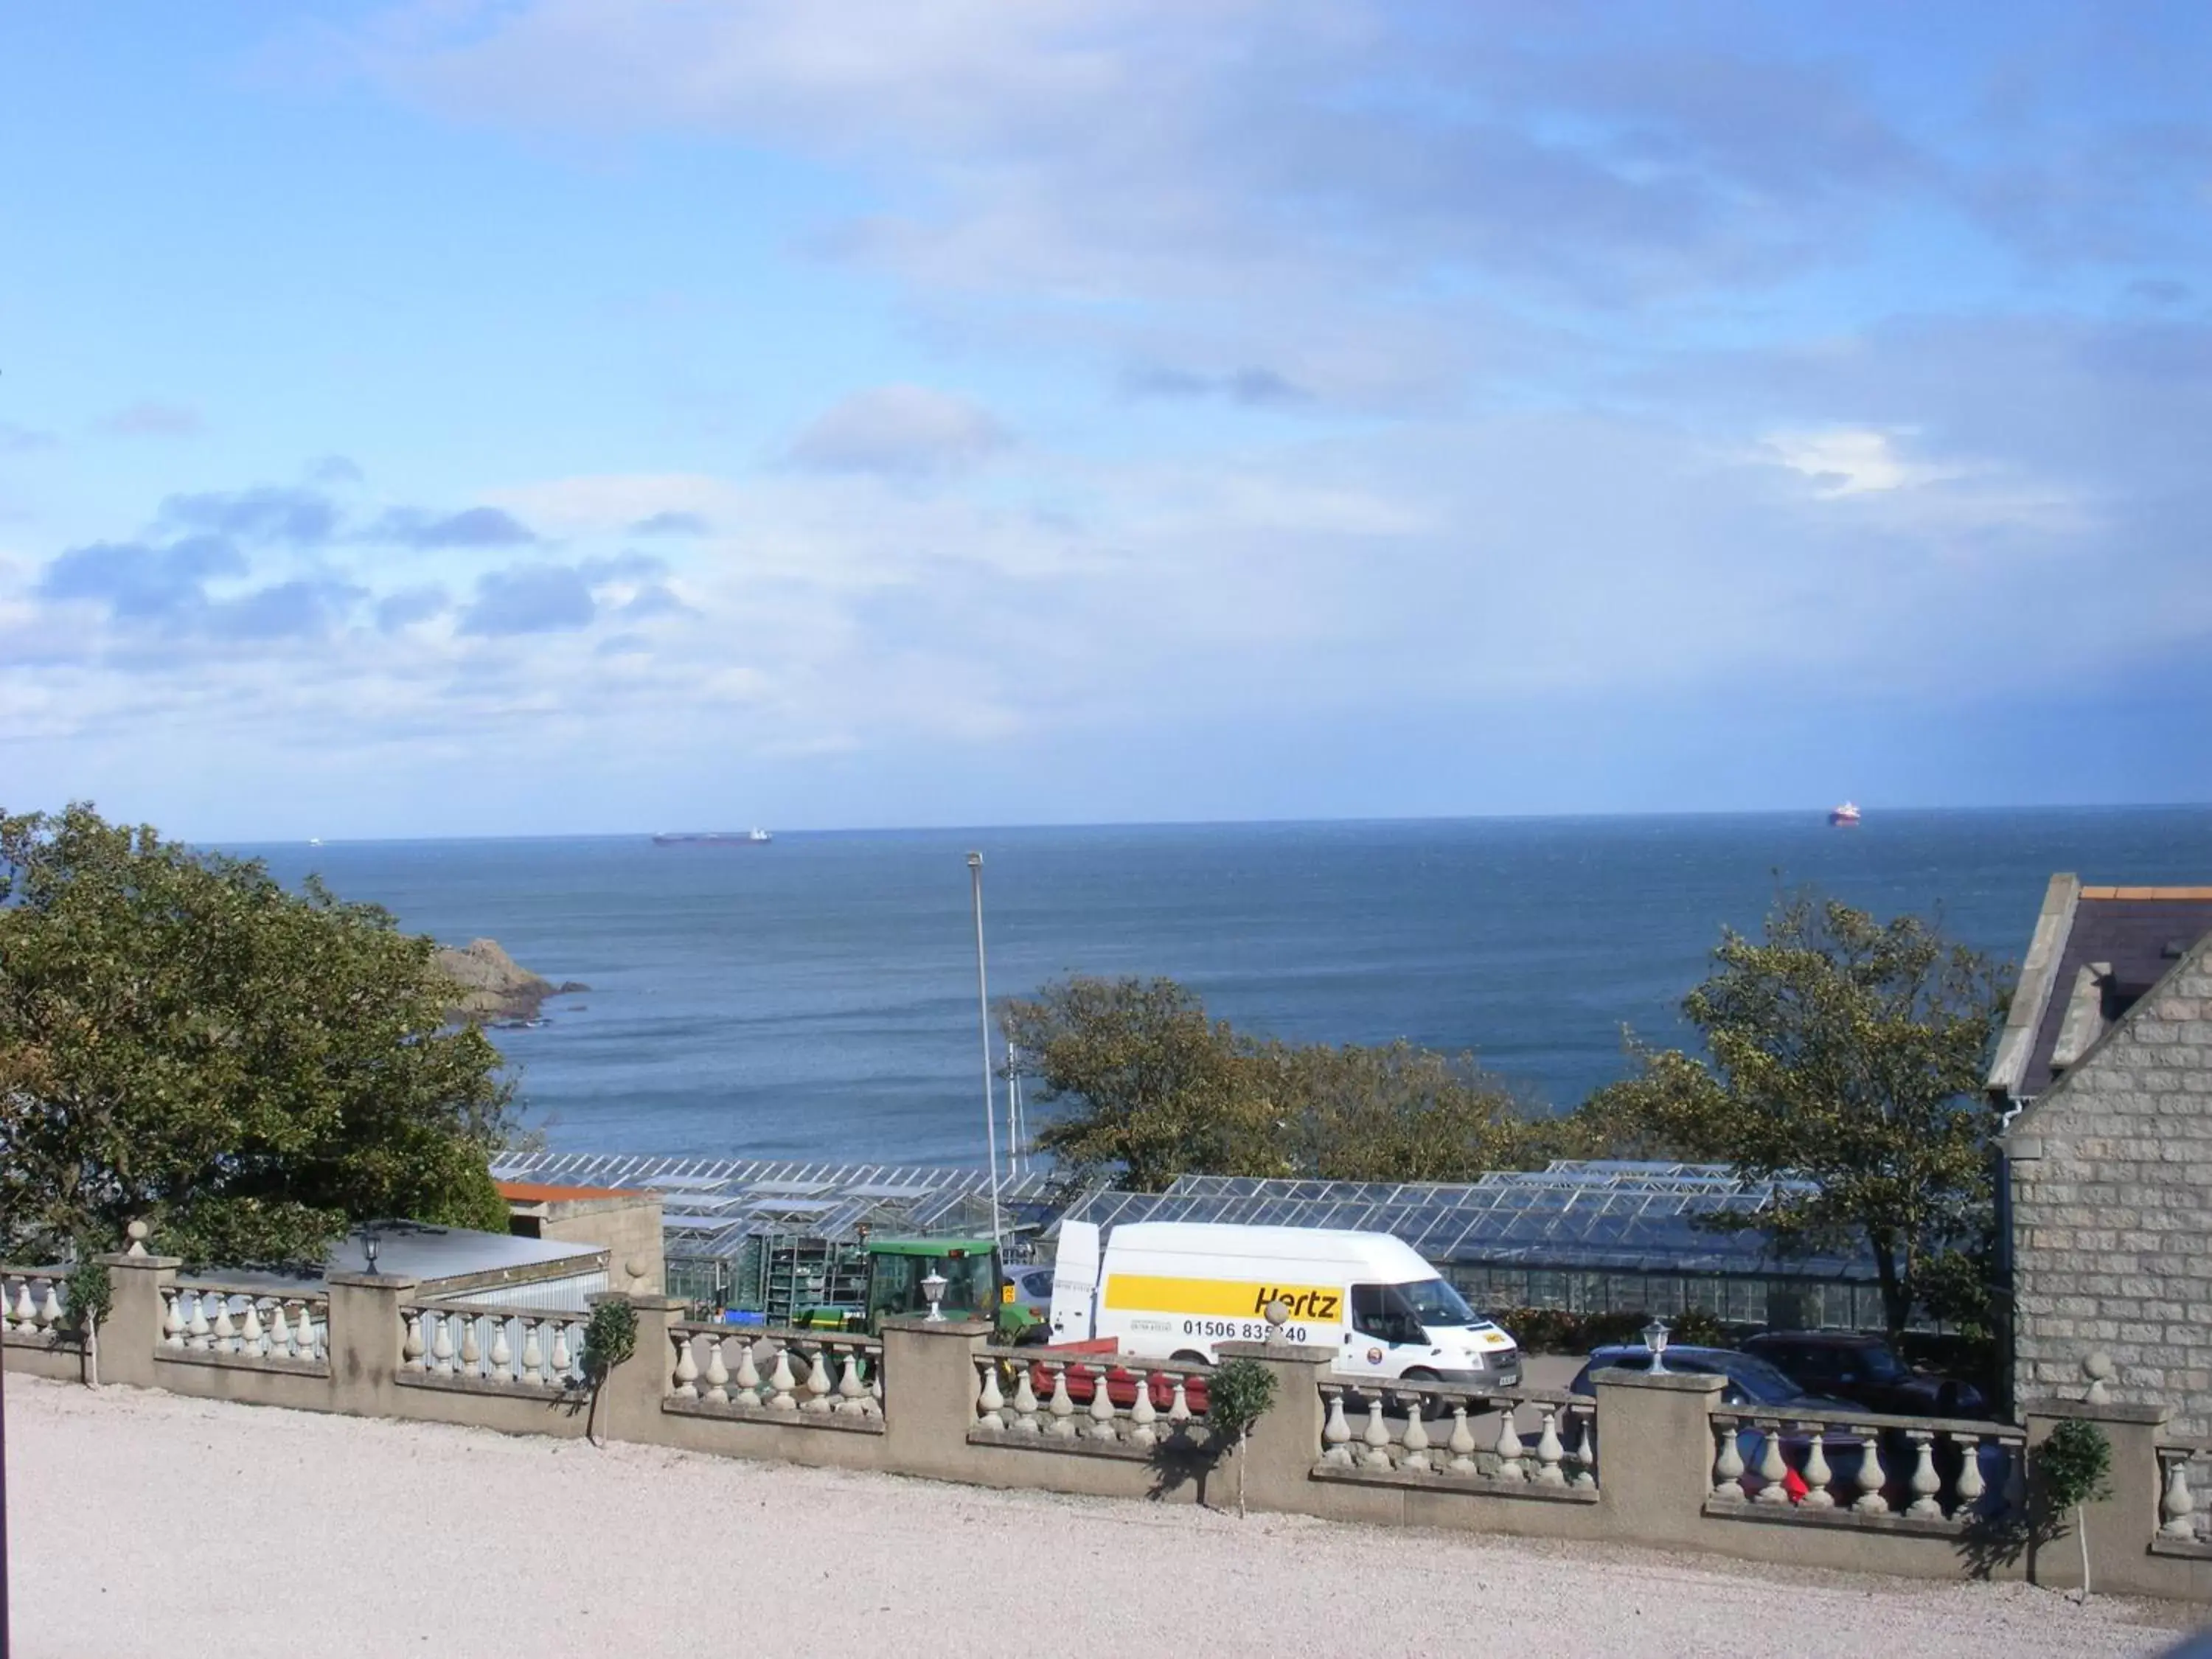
(629, 1400)
(1654, 1455)
(930, 1385)
(366, 1338)
(132, 1330)
(1285, 1443)
(2121, 1527)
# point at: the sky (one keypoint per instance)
(509, 417)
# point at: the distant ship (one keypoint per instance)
(713, 838)
(1844, 816)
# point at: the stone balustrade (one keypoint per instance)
(218, 1322)
(749, 1370)
(1856, 1466)
(520, 1348)
(33, 1301)
(1023, 1397)
(1447, 1432)
(2184, 1524)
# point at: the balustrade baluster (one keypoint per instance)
(1508, 1447)
(533, 1352)
(280, 1333)
(24, 1316)
(310, 1330)
(1103, 1425)
(1817, 1472)
(563, 1360)
(252, 1337)
(1728, 1463)
(502, 1353)
(1550, 1454)
(225, 1333)
(1417, 1435)
(1586, 1454)
(818, 1382)
(1971, 1484)
(1376, 1439)
(1925, 1483)
(200, 1333)
(1872, 1477)
(471, 1348)
(780, 1381)
(1335, 1432)
(410, 1347)
(1062, 1409)
(1025, 1402)
(1143, 1414)
(853, 1396)
(718, 1371)
(173, 1322)
(50, 1311)
(990, 1404)
(748, 1394)
(1179, 1408)
(1772, 1470)
(687, 1367)
(2178, 1506)
(1462, 1442)
(442, 1346)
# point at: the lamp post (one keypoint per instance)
(983, 1013)
(1654, 1338)
(932, 1292)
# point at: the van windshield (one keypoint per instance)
(1436, 1303)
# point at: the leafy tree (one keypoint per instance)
(1849, 1052)
(610, 1340)
(89, 1296)
(249, 1069)
(1157, 1088)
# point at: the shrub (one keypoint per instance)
(1238, 1395)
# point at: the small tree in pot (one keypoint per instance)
(2075, 1466)
(610, 1338)
(89, 1295)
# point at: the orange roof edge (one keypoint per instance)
(2190, 894)
(536, 1192)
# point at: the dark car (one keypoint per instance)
(1865, 1371)
(1752, 1383)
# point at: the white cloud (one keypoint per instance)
(1852, 461)
(899, 431)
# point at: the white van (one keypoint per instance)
(1170, 1290)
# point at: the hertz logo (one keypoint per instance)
(1319, 1306)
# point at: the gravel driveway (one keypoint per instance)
(146, 1524)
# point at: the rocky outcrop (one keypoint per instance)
(494, 989)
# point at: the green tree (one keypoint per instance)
(1150, 1086)
(1238, 1395)
(2075, 1467)
(1848, 1052)
(249, 1069)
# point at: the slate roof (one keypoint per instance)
(2128, 938)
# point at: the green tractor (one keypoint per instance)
(975, 1287)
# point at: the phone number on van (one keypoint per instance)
(1241, 1330)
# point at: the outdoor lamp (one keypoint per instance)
(368, 1249)
(1654, 1338)
(932, 1292)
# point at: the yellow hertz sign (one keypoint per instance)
(1220, 1298)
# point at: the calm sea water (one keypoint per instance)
(816, 998)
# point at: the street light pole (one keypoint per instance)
(983, 1011)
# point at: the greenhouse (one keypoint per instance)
(1587, 1236)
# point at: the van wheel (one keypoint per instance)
(1428, 1404)
(1188, 1357)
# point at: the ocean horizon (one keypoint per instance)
(815, 997)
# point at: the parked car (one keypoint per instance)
(1756, 1384)
(1866, 1371)
(1029, 1289)
(1120, 1387)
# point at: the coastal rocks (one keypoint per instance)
(494, 989)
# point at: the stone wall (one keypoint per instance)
(2111, 1198)
(1653, 1456)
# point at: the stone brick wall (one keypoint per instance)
(2111, 1188)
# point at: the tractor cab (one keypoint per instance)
(896, 1270)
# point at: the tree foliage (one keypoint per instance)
(249, 1069)
(1238, 1395)
(1849, 1052)
(1149, 1088)
(2074, 1467)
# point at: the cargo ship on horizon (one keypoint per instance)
(714, 837)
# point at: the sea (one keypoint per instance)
(817, 997)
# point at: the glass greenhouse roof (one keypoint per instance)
(1597, 1216)
(722, 1202)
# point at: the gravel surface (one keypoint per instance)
(145, 1524)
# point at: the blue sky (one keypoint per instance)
(530, 415)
